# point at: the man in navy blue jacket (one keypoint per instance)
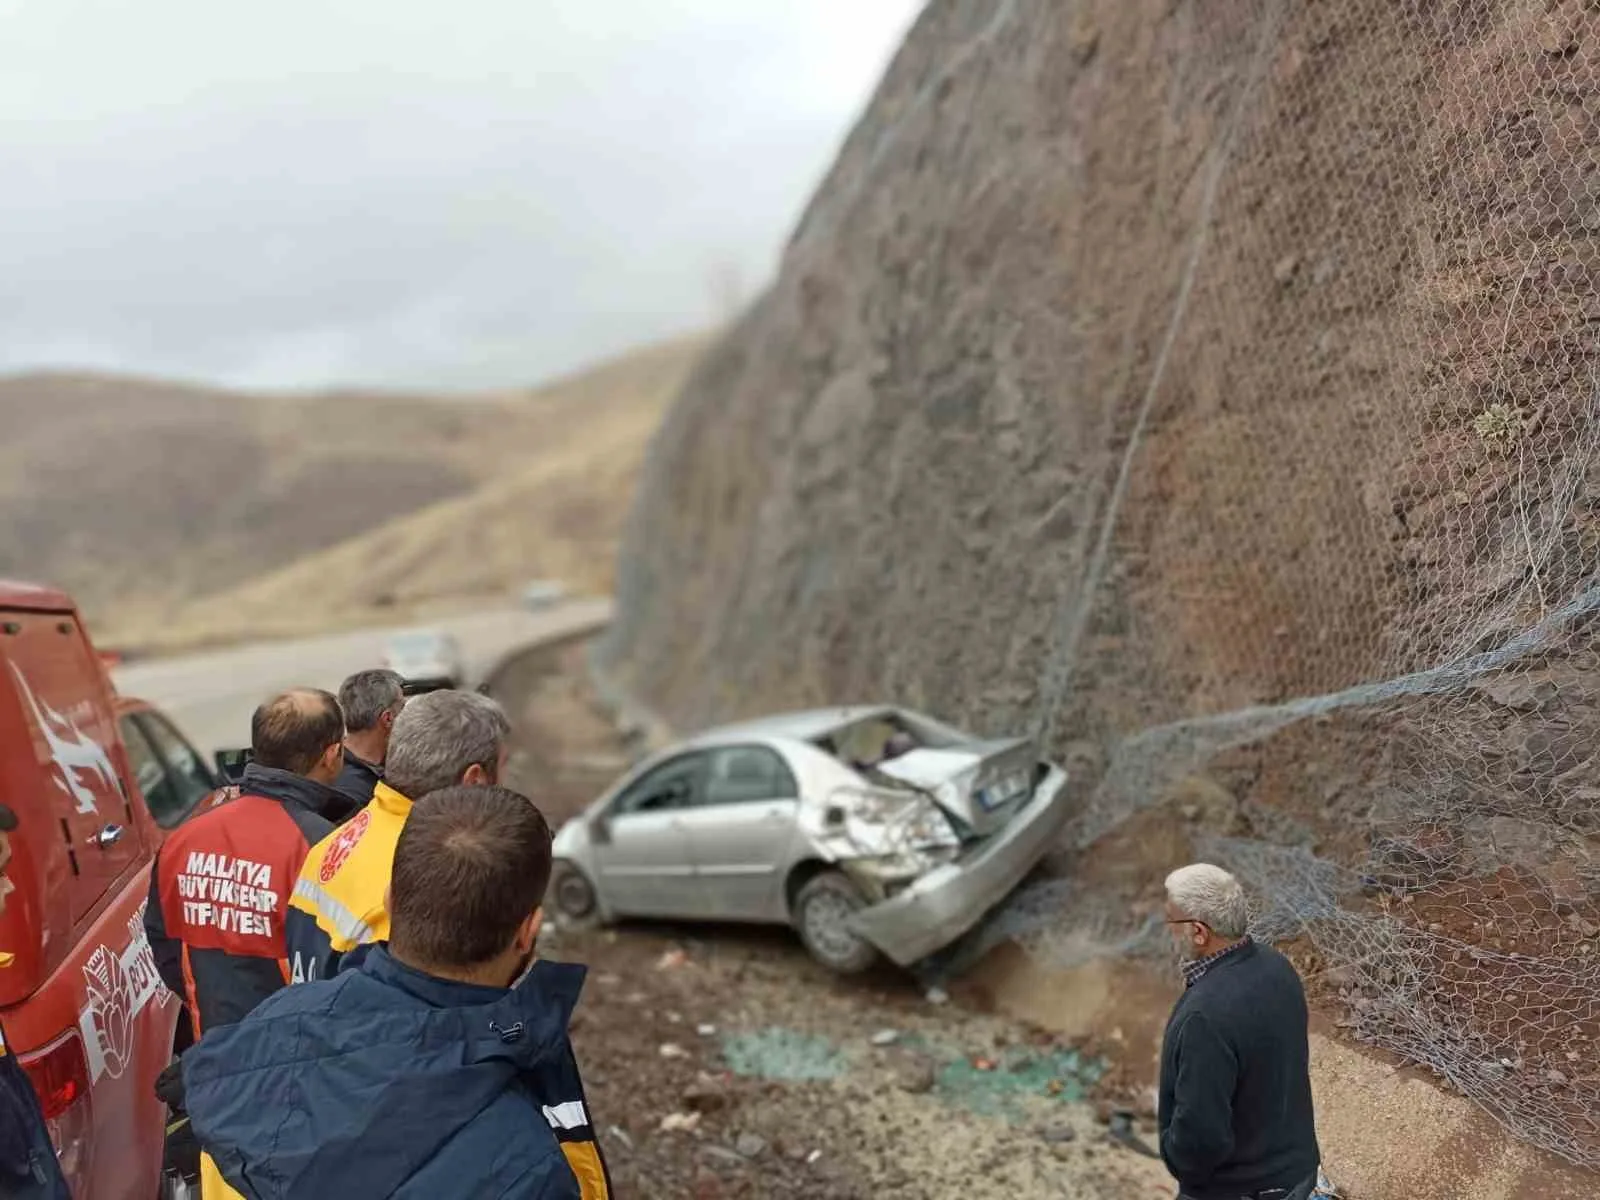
(441, 1064)
(1235, 1111)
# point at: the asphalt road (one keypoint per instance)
(211, 696)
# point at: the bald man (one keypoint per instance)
(221, 883)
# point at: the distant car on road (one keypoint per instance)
(427, 659)
(542, 594)
(869, 830)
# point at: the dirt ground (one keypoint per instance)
(721, 1062)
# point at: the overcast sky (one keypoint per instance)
(429, 193)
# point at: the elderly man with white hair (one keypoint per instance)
(1235, 1112)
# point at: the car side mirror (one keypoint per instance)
(600, 830)
(231, 764)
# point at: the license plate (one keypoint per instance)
(1002, 792)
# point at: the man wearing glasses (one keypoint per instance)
(1235, 1113)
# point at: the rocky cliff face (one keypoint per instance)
(1212, 390)
(1136, 353)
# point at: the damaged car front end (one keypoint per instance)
(942, 840)
(871, 831)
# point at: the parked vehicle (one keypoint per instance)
(426, 659)
(83, 1007)
(869, 830)
(543, 594)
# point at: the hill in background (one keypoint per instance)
(178, 514)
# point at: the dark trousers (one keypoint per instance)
(1302, 1192)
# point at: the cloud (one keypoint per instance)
(404, 192)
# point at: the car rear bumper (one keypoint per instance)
(942, 905)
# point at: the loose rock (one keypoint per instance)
(918, 1077)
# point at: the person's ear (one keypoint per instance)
(333, 757)
(475, 776)
(528, 931)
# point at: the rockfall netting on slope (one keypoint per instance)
(1212, 389)
(1435, 621)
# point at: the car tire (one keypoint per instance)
(821, 909)
(572, 896)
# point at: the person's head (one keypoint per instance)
(1206, 909)
(302, 732)
(444, 738)
(371, 701)
(467, 888)
(8, 824)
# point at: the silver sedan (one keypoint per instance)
(869, 830)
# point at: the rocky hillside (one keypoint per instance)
(1210, 389)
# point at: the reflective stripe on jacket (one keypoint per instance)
(337, 903)
(338, 908)
(219, 894)
(389, 1082)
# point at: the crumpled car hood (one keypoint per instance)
(979, 784)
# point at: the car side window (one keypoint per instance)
(190, 781)
(150, 774)
(671, 785)
(745, 774)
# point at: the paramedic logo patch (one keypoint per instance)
(343, 843)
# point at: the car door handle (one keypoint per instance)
(108, 837)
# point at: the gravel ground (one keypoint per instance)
(727, 1065)
(722, 1062)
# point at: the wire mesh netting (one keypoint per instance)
(1212, 389)
(1390, 515)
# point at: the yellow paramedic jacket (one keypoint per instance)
(338, 906)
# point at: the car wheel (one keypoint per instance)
(573, 896)
(822, 912)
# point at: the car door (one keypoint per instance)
(642, 848)
(742, 831)
(63, 691)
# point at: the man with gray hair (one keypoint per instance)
(340, 902)
(1235, 1110)
(371, 701)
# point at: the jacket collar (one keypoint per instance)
(525, 1023)
(1194, 972)
(391, 801)
(289, 788)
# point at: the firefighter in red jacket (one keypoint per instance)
(222, 881)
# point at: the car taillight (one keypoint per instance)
(60, 1076)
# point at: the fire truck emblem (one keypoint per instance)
(74, 752)
(118, 986)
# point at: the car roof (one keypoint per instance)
(803, 726)
(15, 594)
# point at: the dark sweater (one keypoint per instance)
(1235, 1110)
(356, 782)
